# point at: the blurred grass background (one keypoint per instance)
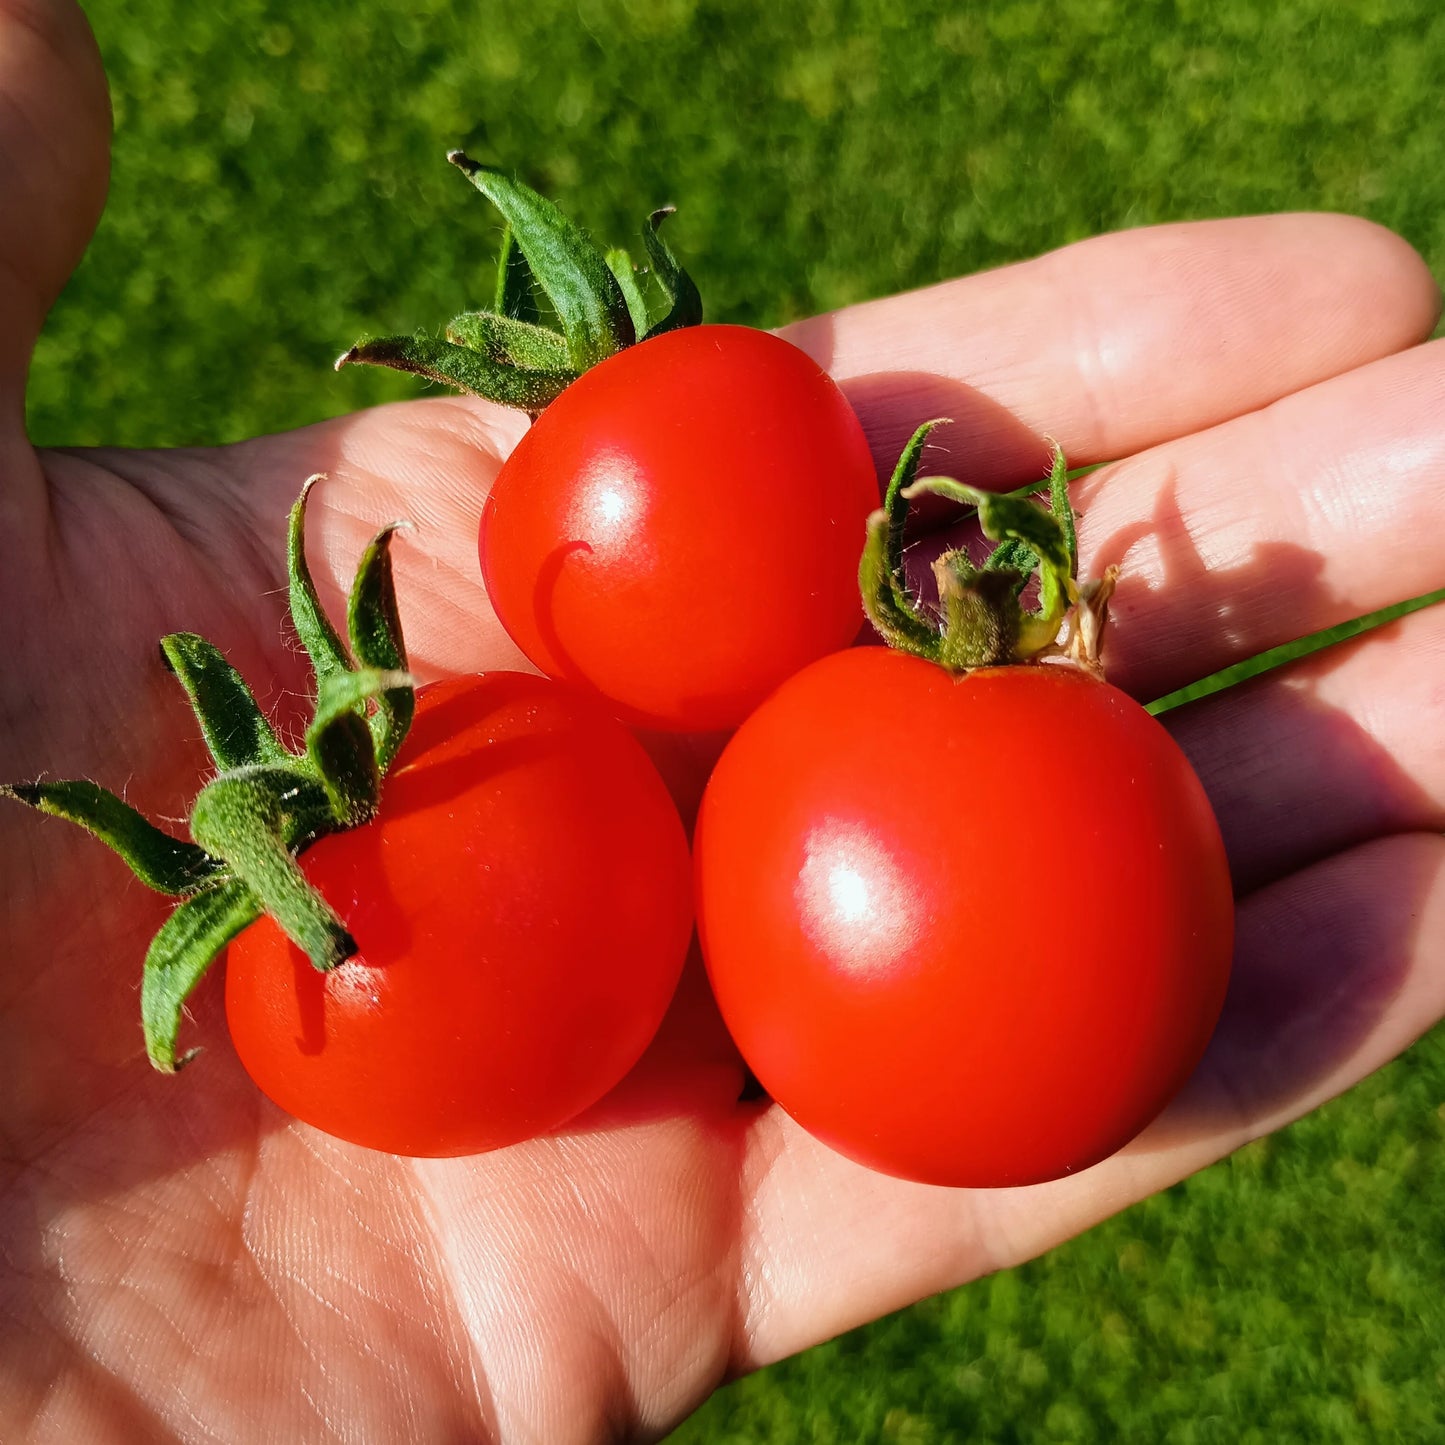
(280, 188)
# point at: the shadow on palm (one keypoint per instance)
(1286, 1027)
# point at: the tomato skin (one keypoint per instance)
(522, 904)
(972, 931)
(680, 529)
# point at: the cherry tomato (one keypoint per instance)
(969, 931)
(522, 904)
(679, 531)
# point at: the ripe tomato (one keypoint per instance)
(679, 531)
(969, 931)
(522, 904)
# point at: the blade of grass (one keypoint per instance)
(1291, 652)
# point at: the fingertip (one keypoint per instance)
(1407, 292)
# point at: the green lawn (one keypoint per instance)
(274, 166)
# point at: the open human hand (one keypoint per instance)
(180, 1260)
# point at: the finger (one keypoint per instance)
(54, 165)
(1123, 341)
(1083, 345)
(1337, 970)
(1326, 753)
(435, 463)
(1318, 509)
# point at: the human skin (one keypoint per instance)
(178, 1260)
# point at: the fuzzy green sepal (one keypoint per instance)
(507, 355)
(268, 802)
(980, 619)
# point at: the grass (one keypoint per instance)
(274, 164)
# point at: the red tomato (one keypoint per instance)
(523, 907)
(680, 529)
(969, 931)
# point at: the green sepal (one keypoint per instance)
(374, 626)
(464, 369)
(321, 640)
(1021, 521)
(515, 297)
(900, 624)
(508, 342)
(251, 819)
(982, 621)
(571, 271)
(620, 264)
(887, 601)
(1011, 519)
(895, 507)
(343, 754)
(1014, 558)
(1062, 508)
(268, 805)
(1015, 561)
(184, 947)
(506, 355)
(236, 731)
(339, 742)
(1014, 555)
(167, 864)
(685, 308)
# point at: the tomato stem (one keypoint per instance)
(247, 819)
(980, 619)
(269, 802)
(506, 354)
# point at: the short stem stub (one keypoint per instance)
(1083, 641)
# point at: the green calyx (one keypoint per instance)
(980, 619)
(506, 354)
(268, 801)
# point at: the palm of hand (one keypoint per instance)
(182, 1258)
(138, 1219)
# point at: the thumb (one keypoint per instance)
(54, 166)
